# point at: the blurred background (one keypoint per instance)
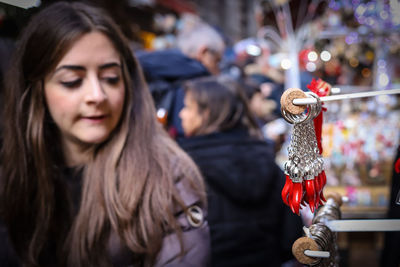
(354, 45)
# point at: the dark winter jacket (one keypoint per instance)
(246, 215)
(165, 71)
(390, 256)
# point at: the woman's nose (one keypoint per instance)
(95, 91)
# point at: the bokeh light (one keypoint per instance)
(286, 64)
(325, 55)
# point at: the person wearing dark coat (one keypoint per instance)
(165, 71)
(249, 224)
(198, 53)
(390, 254)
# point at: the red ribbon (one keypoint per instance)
(320, 88)
(397, 166)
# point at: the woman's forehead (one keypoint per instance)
(93, 47)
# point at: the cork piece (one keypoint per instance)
(287, 101)
(336, 197)
(302, 244)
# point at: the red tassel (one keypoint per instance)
(310, 194)
(296, 197)
(317, 189)
(323, 176)
(287, 188)
(318, 130)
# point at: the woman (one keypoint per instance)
(246, 215)
(89, 178)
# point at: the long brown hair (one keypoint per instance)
(223, 104)
(128, 185)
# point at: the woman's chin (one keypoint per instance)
(94, 140)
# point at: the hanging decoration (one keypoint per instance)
(304, 170)
(305, 175)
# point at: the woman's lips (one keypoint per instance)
(95, 119)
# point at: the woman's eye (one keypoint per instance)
(112, 80)
(72, 84)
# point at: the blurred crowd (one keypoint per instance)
(219, 101)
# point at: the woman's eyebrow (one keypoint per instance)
(81, 68)
(70, 67)
(109, 65)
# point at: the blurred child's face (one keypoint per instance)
(190, 115)
(260, 106)
(85, 93)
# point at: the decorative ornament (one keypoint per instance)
(304, 170)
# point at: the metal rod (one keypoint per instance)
(379, 225)
(317, 253)
(311, 100)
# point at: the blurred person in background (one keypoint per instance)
(264, 95)
(259, 61)
(198, 53)
(6, 48)
(249, 224)
(7, 254)
(390, 254)
(89, 177)
(263, 82)
(264, 103)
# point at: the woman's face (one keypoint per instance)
(85, 93)
(190, 115)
